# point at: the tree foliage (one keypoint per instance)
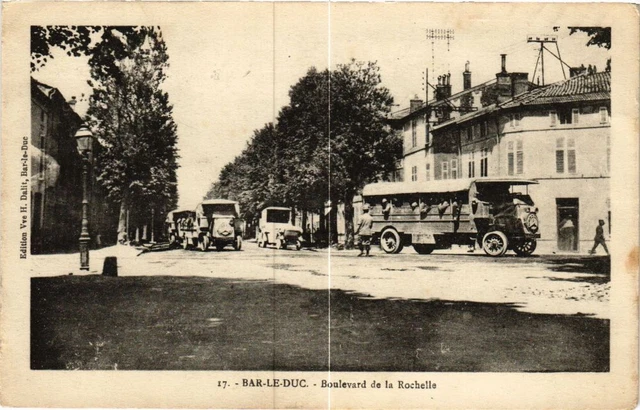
(598, 36)
(78, 41)
(327, 143)
(131, 116)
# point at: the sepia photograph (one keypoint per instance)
(321, 205)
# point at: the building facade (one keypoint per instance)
(56, 176)
(559, 135)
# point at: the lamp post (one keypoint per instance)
(84, 139)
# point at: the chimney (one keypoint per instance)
(415, 104)
(576, 71)
(443, 90)
(503, 82)
(466, 77)
(520, 83)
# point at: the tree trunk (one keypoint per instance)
(348, 220)
(122, 221)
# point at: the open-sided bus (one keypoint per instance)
(498, 214)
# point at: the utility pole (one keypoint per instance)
(542, 40)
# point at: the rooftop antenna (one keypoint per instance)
(542, 40)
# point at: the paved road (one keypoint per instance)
(545, 284)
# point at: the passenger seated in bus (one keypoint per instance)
(386, 208)
(442, 208)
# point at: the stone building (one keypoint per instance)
(558, 134)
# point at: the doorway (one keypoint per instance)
(568, 223)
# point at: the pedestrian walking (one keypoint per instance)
(363, 230)
(599, 238)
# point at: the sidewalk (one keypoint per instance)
(69, 263)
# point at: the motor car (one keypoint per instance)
(180, 228)
(276, 228)
(219, 224)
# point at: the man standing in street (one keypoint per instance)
(599, 238)
(363, 230)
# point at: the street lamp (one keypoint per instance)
(84, 139)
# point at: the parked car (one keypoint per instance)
(181, 228)
(496, 213)
(219, 224)
(276, 228)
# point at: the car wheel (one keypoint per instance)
(525, 248)
(298, 245)
(390, 241)
(237, 244)
(423, 249)
(495, 243)
(185, 243)
(203, 243)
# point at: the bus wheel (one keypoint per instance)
(423, 249)
(298, 245)
(390, 241)
(204, 243)
(237, 244)
(495, 243)
(525, 248)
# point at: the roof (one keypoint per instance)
(406, 112)
(218, 202)
(277, 208)
(438, 186)
(586, 87)
(53, 97)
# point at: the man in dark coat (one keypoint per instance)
(599, 238)
(363, 230)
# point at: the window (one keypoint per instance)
(414, 133)
(445, 170)
(469, 134)
(484, 162)
(428, 173)
(515, 157)
(485, 130)
(565, 155)
(604, 115)
(575, 115)
(454, 169)
(471, 165)
(553, 118)
(414, 173)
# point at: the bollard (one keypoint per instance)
(110, 267)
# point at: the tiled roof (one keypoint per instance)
(581, 88)
(405, 112)
(591, 87)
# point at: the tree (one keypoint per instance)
(598, 36)
(362, 147)
(79, 41)
(131, 116)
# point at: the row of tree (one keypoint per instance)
(129, 113)
(323, 147)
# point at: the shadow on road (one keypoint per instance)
(581, 264)
(198, 323)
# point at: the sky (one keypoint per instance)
(231, 70)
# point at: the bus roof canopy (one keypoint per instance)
(439, 186)
(218, 202)
(276, 208)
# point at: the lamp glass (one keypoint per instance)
(83, 139)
